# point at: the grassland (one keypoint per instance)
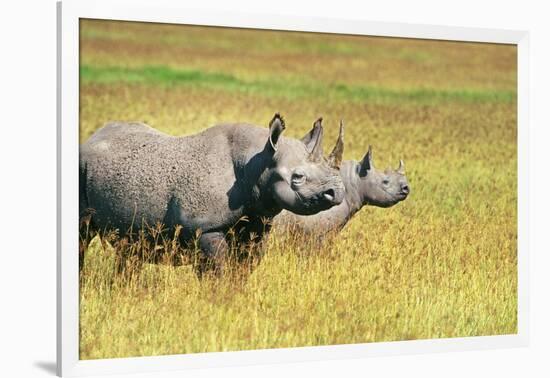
(441, 264)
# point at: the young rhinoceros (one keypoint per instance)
(365, 185)
(229, 177)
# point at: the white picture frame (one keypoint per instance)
(69, 13)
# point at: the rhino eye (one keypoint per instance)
(298, 178)
(386, 181)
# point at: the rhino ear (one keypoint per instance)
(366, 164)
(314, 141)
(335, 157)
(276, 128)
(306, 139)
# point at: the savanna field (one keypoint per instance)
(443, 263)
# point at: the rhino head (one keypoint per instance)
(381, 188)
(300, 179)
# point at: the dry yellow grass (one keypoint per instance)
(441, 264)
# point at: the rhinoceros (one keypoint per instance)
(365, 185)
(230, 177)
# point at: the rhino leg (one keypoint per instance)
(214, 249)
(251, 239)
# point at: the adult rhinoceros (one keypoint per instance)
(229, 177)
(365, 185)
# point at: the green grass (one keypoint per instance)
(443, 263)
(159, 75)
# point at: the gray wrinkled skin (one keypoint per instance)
(231, 176)
(365, 185)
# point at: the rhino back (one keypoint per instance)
(127, 175)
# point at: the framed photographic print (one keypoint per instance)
(239, 188)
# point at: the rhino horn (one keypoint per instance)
(367, 163)
(276, 128)
(314, 141)
(335, 157)
(401, 168)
